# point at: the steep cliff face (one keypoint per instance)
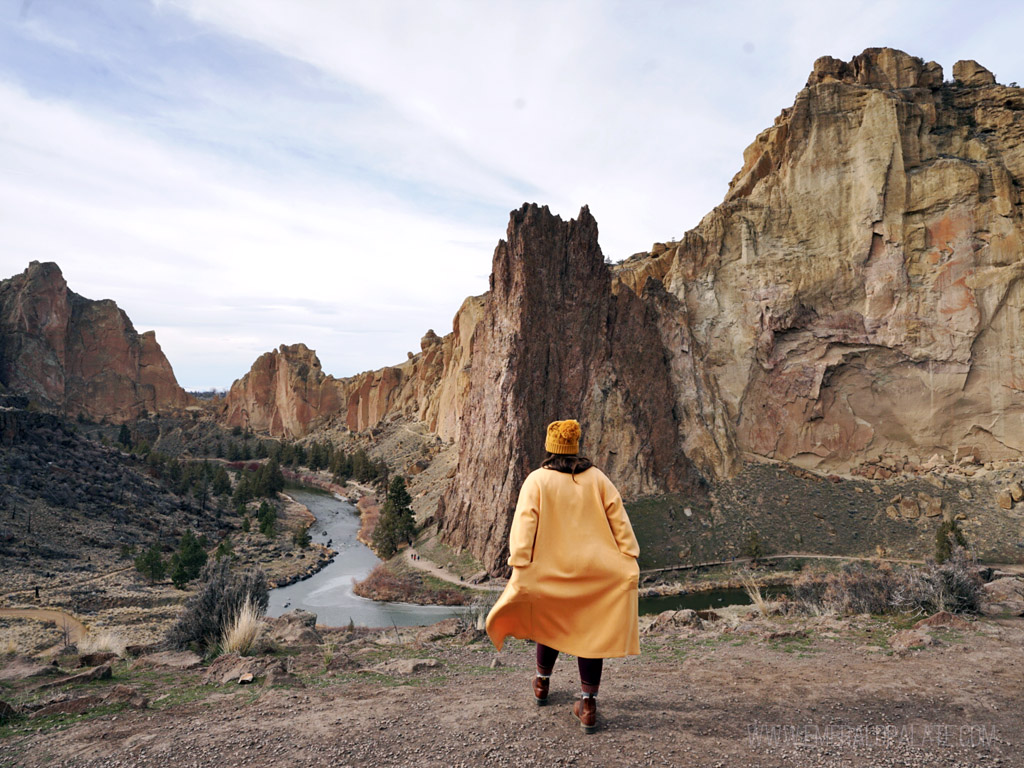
(287, 394)
(556, 342)
(79, 356)
(860, 290)
(282, 394)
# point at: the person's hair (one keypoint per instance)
(570, 463)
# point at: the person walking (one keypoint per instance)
(574, 572)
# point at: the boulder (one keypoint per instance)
(230, 667)
(95, 659)
(442, 629)
(1016, 491)
(75, 706)
(279, 675)
(102, 672)
(943, 619)
(1004, 499)
(910, 638)
(294, 628)
(23, 667)
(1003, 595)
(125, 694)
(970, 72)
(909, 508)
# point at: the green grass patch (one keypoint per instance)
(462, 563)
(23, 726)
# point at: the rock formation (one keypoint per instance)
(79, 356)
(556, 342)
(286, 393)
(282, 394)
(859, 291)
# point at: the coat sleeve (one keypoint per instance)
(618, 520)
(524, 525)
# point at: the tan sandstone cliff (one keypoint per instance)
(286, 394)
(859, 290)
(79, 356)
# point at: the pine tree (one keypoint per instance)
(151, 564)
(188, 561)
(397, 524)
(267, 517)
(124, 437)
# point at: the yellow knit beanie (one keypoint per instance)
(563, 437)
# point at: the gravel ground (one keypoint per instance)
(833, 697)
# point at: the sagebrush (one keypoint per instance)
(953, 586)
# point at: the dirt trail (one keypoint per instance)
(76, 629)
(436, 570)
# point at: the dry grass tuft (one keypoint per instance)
(241, 632)
(754, 593)
(104, 640)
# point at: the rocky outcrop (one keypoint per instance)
(282, 394)
(555, 342)
(79, 356)
(286, 393)
(859, 291)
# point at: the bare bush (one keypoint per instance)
(952, 586)
(221, 595)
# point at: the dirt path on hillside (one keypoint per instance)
(435, 570)
(825, 699)
(76, 629)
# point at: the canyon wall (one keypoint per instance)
(78, 356)
(286, 394)
(859, 291)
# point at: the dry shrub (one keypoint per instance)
(241, 631)
(863, 588)
(104, 640)
(953, 586)
(220, 597)
(382, 584)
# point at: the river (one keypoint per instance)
(328, 593)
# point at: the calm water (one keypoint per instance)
(699, 601)
(328, 594)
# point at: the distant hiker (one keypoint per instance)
(574, 571)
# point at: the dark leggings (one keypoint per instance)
(590, 669)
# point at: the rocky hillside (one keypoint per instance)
(77, 356)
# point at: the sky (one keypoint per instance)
(240, 174)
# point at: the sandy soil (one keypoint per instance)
(712, 697)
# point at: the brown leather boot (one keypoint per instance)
(584, 709)
(540, 690)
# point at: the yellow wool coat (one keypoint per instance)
(574, 572)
